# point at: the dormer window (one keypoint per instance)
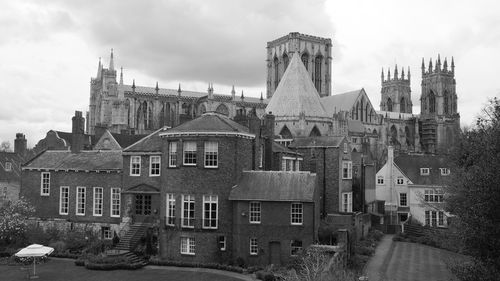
(380, 179)
(444, 171)
(400, 180)
(8, 166)
(424, 171)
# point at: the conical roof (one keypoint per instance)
(296, 93)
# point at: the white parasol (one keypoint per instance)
(34, 251)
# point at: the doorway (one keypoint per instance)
(275, 253)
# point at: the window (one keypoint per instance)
(188, 211)
(154, 165)
(380, 179)
(433, 195)
(434, 218)
(347, 202)
(135, 165)
(115, 201)
(222, 243)
(172, 154)
(296, 214)
(345, 147)
(106, 232)
(399, 180)
(190, 153)
(8, 166)
(444, 171)
(424, 171)
(346, 170)
(64, 200)
(295, 247)
(170, 209)
(210, 211)
(80, 201)
(254, 212)
(187, 245)
(403, 200)
(98, 201)
(211, 154)
(45, 183)
(254, 247)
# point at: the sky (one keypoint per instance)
(50, 49)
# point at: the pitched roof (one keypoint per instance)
(323, 141)
(126, 140)
(296, 93)
(85, 160)
(340, 102)
(275, 186)
(283, 149)
(150, 143)
(209, 123)
(410, 165)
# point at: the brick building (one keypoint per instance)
(275, 215)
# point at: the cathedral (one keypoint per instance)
(299, 95)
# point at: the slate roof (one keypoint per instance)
(125, 140)
(15, 173)
(296, 93)
(410, 165)
(324, 141)
(88, 140)
(275, 186)
(341, 102)
(150, 143)
(208, 123)
(85, 160)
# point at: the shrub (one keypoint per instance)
(264, 275)
(240, 262)
(59, 246)
(376, 234)
(156, 261)
(365, 250)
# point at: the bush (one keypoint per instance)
(225, 267)
(375, 234)
(265, 275)
(365, 250)
(475, 270)
(59, 246)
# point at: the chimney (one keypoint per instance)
(77, 132)
(20, 144)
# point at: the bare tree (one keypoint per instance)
(5, 146)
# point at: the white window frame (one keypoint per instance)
(433, 195)
(400, 180)
(405, 195)
(188, 221)
(107, 234)
(8, 166)
(189, 145)
(98, 201)
(434, 218)
(188, 245)
(81, 194)
(296, 213)
(115, 202)
(211, 154)
(154, 160)
(135, 171)
(64, 200)
(211, 200)
(347, 166)
(253, 246)
(380, 180)
(346, 202)
(254, 212)
(425, 171)
(45, 184)
(172, 154)
(294, 249)
(445, 171)
(170, 211)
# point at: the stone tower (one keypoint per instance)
(396, 92)
(439, 115)
(315, 53)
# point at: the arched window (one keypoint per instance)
(285, 62)
(375, 132)
(361, 111)
(305, 60)
(317, 72)
(168, 115)
(432, 102)
(408, 136)
(201, 109)
(394, 136)
(315, 132)
(162, 115)
(222, 109)
(446, 104)
(127, 105)
(276, 73)
(145, 114)
(402, 105)
(366, 113)
(285, 133)
(357, 110)
(389, 104)
(150, 116)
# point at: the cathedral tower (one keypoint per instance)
(439, 115)
(396, 92)
(315, 53)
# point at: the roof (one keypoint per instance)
(88, 140)
(324, 141)
(296, 93)
(340, 102)
(126, 140)
(275, 186)
(209, 123)
(15, 161)
(410, 165)
(283, 149)
(85, 160)
(355, 126)
(150, 143)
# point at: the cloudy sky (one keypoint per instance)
(50, 49)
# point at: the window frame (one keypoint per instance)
(44, 185)
(347, 167)
(348, 205)
(401, 199)
(170, 209)
(434, 218)
(211, 155)
(188, 199)
(425, 171)
(296, 213)
(112, 204)
(400, 180)
(79, 198)
(294, 249)
(66, 200)
(253, 213)
(194, 153)
(444, 171)
(190, 246)
(106, 230)
(433, 196)
(380, 180)
(155, 169)
(173, 154)
(138, 168)
(211, 200)
(253, 246)
(96, 203)
(8, 166)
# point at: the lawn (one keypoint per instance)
(63, 270)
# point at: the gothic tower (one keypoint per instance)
(439, 115)
(396, 92)
(315, 53)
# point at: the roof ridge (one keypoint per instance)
(146, 137)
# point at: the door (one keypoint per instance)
(142, 205)
(274, 253)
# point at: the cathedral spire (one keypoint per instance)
(396, 72)
(430, 65)
(133, 85)
(261, 97)
(111, 61)
(157, 89)
(445, 65)
(388, 73)
(438, 64)
(233, 93)
(452, 65)
(402, 73)
(382, 75)
(99, 69)
(409, 74)
(423, 66)
(179, 91)
(242, 96)
(121, 75)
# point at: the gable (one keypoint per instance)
(142, 188)
(107, 142)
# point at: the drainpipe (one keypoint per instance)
(324, 182)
